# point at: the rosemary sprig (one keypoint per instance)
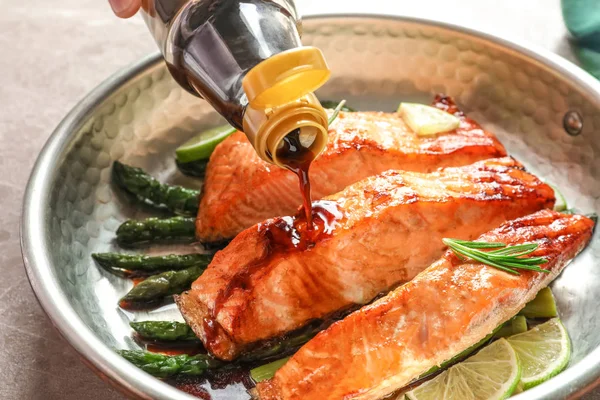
(336, 111)
(505, 258)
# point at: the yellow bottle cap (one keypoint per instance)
(285, 77)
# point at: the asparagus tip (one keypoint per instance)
(100, 257)
(117, 170)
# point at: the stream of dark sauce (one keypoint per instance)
(297, 158)
(236, 379)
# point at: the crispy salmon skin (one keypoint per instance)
(275, 276)
(450, 306)
(241, 190)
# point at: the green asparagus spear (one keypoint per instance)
(171, 331)
(333, 104)
(267, 371)
(133, 232)
(542, 306)
(284, 346)
(163, 366)
(136, 181)
(166, 331)
(193, 168)
(158, 286)
(132, 265)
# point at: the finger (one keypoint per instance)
(125, 8)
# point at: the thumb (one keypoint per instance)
(125, 8)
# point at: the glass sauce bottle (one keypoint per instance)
(246, 59)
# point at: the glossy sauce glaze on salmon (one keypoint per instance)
(241, 190)
(450, 306)
(276, 276)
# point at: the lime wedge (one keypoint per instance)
(491, 374)
(517, 324)
(201, 146)
(425, 120)
(561, 203)
(544, 351)
(543, 306)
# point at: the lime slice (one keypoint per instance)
(491, 374)
(426, 120)
(561, 203)
(544, 351)
(201, 146)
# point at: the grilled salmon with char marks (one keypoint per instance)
(241, 190)
(275, 277)
(450, 306)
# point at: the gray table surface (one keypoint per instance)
(51, 54)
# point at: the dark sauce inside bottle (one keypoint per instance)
(219, 41)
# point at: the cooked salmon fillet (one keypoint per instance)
(450, 306)
(241, 190)
(276, 276)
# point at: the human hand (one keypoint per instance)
(125, 8)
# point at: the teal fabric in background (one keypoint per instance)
(582, 18)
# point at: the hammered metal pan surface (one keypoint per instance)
(140, 115)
